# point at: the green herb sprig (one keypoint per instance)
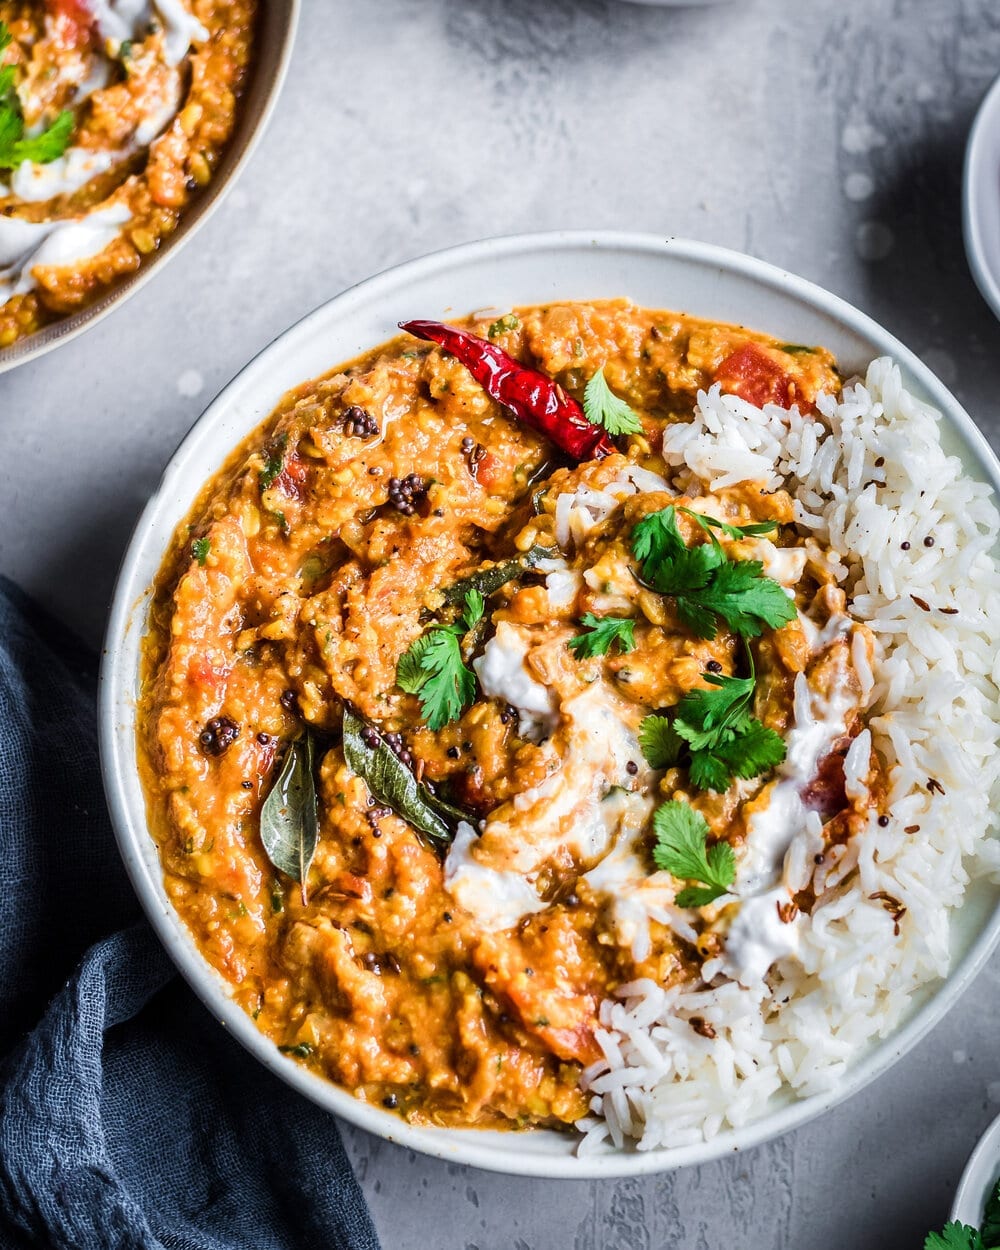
(503, 325)
(603, 407)
(682, 849)
(604, 632)
(705, 584)
(432, 667)
(274, 462)
(715, 731)
(956, 1236)
(14, 147)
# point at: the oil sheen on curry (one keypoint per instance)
(459, 708)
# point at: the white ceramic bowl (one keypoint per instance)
(272, 51)
(978, 1179)
(657, 273)
(981, 198)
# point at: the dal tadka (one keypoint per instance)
(574, 721)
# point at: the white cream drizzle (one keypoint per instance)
(33, 182)
(503, 675)
(118, 20)
(581, 807)
(783, 836)
(24, 245)
(498, 899)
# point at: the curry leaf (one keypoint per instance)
(289, 819)
(391, 782)
(490, 579)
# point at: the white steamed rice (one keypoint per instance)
(867, 474)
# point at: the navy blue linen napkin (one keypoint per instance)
(128, 1118)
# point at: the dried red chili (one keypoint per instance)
(531, 396)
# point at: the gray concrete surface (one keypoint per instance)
(825, 137)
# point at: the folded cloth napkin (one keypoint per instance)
(128, 1118)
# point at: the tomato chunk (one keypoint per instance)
(752, 375)
(75, 21)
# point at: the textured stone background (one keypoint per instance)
(825, 137)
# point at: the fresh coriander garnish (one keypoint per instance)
(274, 461)
(601, 406)
(956, 1236)
(716, 729)
(14, 147)
(604, 633)
(708, 523)
(991, 1219)
(682, 850)
(433, 669)
(200, 549)
(705, 583)
(502, 325)
(302, 1051)
(661, 744)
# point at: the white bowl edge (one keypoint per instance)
(564, 264)
(978, 1179)
(981, 198)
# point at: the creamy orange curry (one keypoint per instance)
(113, 114)
(454, 685)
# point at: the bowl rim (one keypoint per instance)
(976, 173)
(274, 62)
(978, 1177)
(117, 745)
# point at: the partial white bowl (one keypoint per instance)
(978, 1179)
(981, 198)
(272, 52)
(531, 269)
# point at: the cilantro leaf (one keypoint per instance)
(751, 749)
(681, 849)
(200, 549)
(14, 148)
(704, 582)
(708, 523)
(699, 619)
(698, 895)
(954, 1236)
(661, 744)
(605, 632)
(474, 607)
(708, 772)
(744, 598)
(448, 686)
(41, 148)
(502, 325)
(603, 407)
(691, 570)
(703, 715)
(991, 1218)
(274, 462)
(656, 537)
(410, 671)
(724, 740)
(433, 669)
